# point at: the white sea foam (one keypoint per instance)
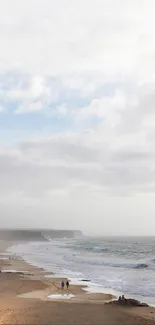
(61, 296)
(91, 287)
(14, 271)
(4, 258)
(101, 289)
(81, 282)
(11, 271)
(78, 282)
(56, 276)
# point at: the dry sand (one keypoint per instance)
(24, 300)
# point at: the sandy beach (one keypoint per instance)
(24, 299)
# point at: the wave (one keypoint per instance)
(82, 247)
(141, 266)
(129, 266)
(96, 249)
(88, 260)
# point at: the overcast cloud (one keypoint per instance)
(77, 115)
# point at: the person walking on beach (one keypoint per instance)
(62, 285)
(67, 284)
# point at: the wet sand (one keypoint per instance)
(24, 300)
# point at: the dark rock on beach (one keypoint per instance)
(128, 302)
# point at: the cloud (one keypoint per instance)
(72, 175)
(107, 107)
(1, 108)
(36, 88)
(116, 156)
(30, 107)
(88, 68)
(57, 41)
(71, 159)
(29, 93)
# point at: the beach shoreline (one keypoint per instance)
(19, 264)
(31, 288)
(88, 285)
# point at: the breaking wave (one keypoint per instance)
(141, 266)
(127, 266)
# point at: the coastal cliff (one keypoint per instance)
(37, 234)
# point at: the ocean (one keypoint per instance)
(125, 265)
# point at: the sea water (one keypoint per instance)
(125, 265)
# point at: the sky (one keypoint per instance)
(77, 115)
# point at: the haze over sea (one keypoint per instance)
(122, 264)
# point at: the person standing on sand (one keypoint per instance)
(67, 284)
(62, 284)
